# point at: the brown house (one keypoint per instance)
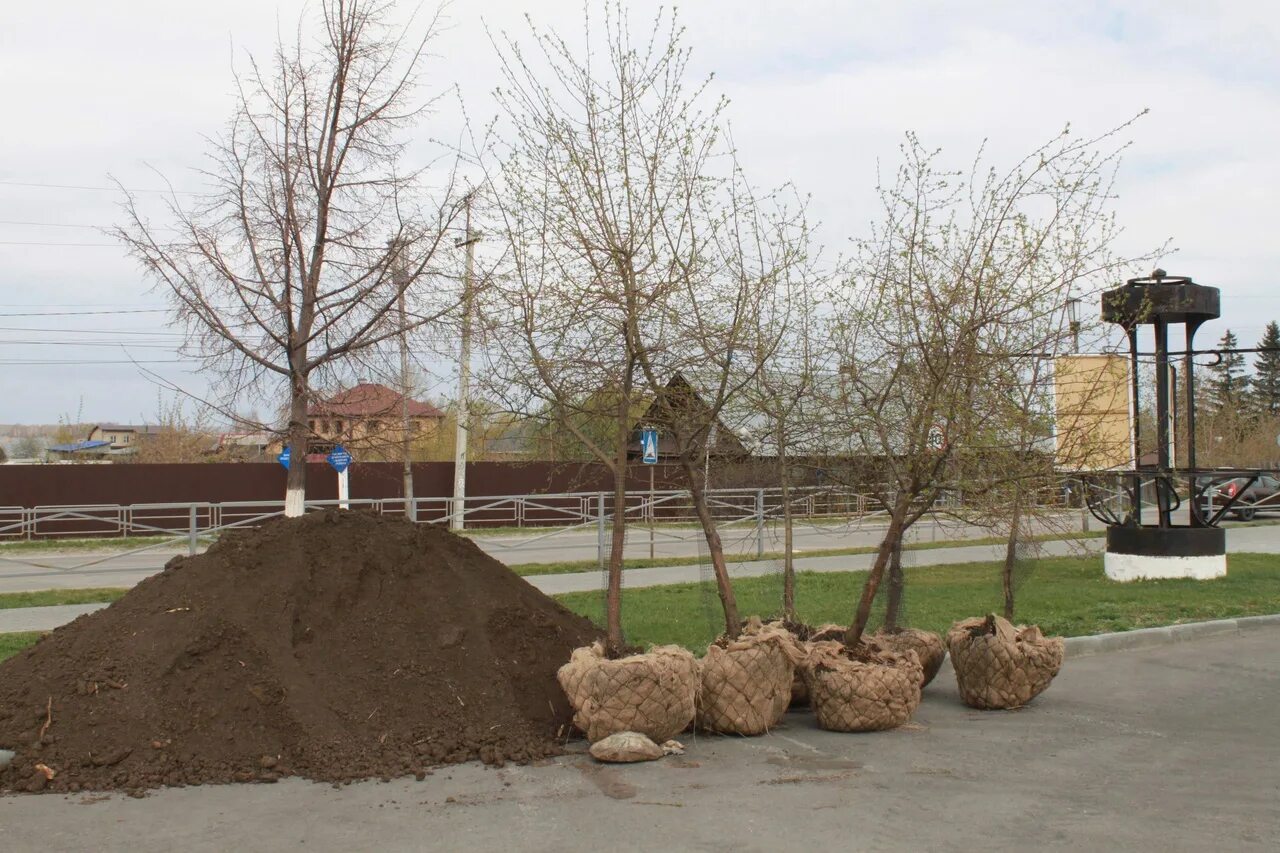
(367, 419)
(677, 412)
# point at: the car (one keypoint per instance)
(1260, 496)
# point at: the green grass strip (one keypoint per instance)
(1068, 596)
(51, 597)
(11, 644)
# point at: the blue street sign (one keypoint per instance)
(284, 458)
(649, 445)
(339, 458)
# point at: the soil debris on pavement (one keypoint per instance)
(336, 646)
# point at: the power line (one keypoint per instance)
(49, 224)
(174, 335)
(147, 344)
(94, 361)
(45, 186)
(86, 313)
(31, 243)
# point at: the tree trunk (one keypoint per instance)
(295, 494)
(893, 604)
(788, 538)
(862, 615)
(618, 541)
(1011, 553)
(697, 489)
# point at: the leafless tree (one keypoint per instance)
(285, 270)
(782, 403)
(635, 251)
(959, 287)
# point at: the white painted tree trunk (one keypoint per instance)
(295, 502)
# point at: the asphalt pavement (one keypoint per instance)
(1164, 749)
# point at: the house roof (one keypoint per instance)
(142, 428)
(681, 398)
(368, 399)
(77, 446)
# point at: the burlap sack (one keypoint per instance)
(626, 748)
(1001, 666)
(654, 694)
(805, 634)
(573, 677)
(926, 644)
(746, 683)
(879, 691)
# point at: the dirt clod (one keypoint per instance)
(342, 645)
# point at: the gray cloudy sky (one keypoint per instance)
(821, 92)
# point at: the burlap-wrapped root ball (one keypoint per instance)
(1000, 666)
(926, 644)
(864, 690)
(654, 694)
(804, 634)
(746, 682)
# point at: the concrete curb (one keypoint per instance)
(1143, 638)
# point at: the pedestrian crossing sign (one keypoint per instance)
(649, 445)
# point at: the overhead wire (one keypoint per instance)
(84, 313)
(49, 186)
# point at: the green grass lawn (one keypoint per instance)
(1064, 595)
(112, 543)
(11, 644)
(48, 597)
(1069, 596)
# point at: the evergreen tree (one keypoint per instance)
(1225, 391)
(1266, 381)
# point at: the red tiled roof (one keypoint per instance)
(368, 399)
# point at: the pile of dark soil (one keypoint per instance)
(337, 646)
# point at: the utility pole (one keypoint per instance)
(469, 240)
(406, 425)
(400, 279)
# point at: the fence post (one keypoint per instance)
(759, 523)
(600, 529)
(191, 531)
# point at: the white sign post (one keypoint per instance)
(340, 459)
(649, 453)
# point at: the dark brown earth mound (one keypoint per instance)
(336, 646)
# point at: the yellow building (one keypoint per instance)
(1093, 413)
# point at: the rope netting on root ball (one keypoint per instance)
(869, 676)
(864, 689)
(746, 678)
(746, 681)
(1000, 665)
(654, 693)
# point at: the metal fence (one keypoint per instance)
(530, 528)
(508, 523)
